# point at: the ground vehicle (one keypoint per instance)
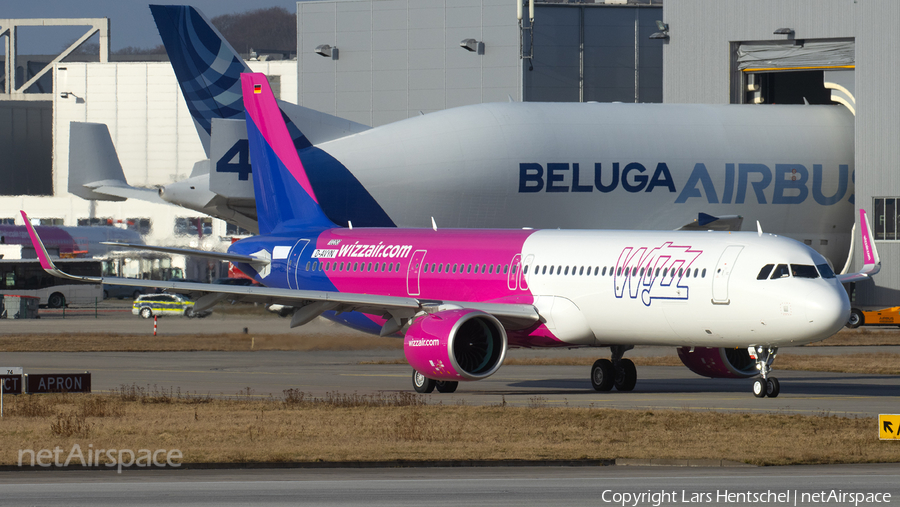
(25, 277)
(881, 317)
(149, 305)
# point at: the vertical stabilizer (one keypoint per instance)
(284, 197)
(207, 67)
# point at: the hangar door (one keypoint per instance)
(794, 72)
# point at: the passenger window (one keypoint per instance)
(695, 272)
(491, 269)
(505, 268)
(703, 273)
(619, 272)
(781, 271)
(581, 270)
(454, 268)
(566, 272)
(765, 271)
(825, 270)
(307, 265)
(524, 271)
(469, 269)
(398, 266)
(804, 271)
(603, 273)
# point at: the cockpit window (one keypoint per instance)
(804, 271)
(764, 272)
(781, 271)
(825, 270)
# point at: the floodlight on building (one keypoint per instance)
(784, 31)
(663, 32)
(472, 45)
(327, 51)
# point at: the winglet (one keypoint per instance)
(871, 259)
(44, 256)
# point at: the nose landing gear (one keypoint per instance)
(765, 385)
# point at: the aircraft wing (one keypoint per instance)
(871, 259)
(309, 303)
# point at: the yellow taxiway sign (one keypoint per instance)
(889, 426)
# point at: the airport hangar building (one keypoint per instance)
(391, 59)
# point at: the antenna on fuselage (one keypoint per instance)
(350, 225)
(758, 229)
(433, 225)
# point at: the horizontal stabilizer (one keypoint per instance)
(221, 256)
(705, 222)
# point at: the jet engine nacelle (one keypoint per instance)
(718, 362)
(456, 345)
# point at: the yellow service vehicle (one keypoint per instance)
(149, 305)
(882, 317)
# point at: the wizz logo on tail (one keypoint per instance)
(654, 273)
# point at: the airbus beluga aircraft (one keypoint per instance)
(462, 297)
(516, 164)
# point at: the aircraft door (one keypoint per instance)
(512, 276)
(523, 283)
(293, 264)
(414, 273)
(722, 273)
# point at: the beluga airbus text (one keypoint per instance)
(462, 297)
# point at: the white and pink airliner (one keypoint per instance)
(461, 298)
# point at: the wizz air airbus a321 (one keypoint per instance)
(461, 298)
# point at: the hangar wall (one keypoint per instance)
(399, 57)
(698, 70)
(150, 126)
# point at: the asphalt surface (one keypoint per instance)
(268, 373)
(521, 486)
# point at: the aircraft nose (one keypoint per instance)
(827, 309)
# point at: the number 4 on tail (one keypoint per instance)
(240, 151)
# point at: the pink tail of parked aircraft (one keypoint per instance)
(462, 298)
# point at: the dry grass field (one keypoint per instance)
(340, 427)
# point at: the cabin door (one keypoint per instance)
(723, 272)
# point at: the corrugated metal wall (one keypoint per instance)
(399, 57)
(697, 69)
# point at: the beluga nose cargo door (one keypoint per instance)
(723, 272)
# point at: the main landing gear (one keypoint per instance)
(424, 385)
(618, 372)
(765, 385)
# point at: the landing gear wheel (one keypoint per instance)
(422, 384)
(626, 375)
(446, 386)
(759, 388)
(146, 313)
(603, 375)
(772, 387)
(856, 319)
